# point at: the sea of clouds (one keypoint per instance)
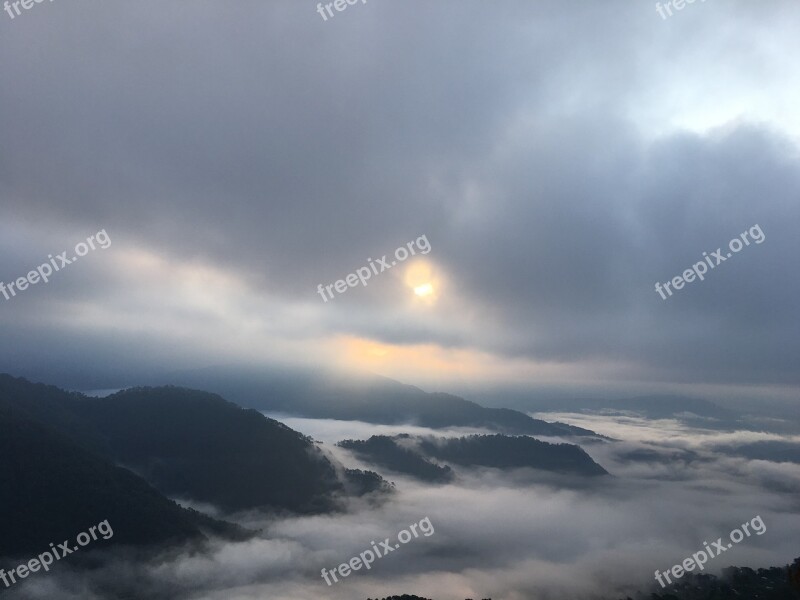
(515, 536)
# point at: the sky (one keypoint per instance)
(559, 158)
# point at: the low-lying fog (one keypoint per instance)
(501, 535)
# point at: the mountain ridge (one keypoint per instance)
(55, 489)
(374, 399)
(194, 445)
(415, 455)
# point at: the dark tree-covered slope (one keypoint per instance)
(197, 445)
(52, 490)
(386, 452)
(194, 445)
(509, 452)
(411, 455)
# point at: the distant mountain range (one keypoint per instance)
(413, 455)
(654, 406)
(62, 456)
(772, 450)
(370, 398)
(68, 461)
(666, 406)
(694, 412)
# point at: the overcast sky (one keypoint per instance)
(560, 158)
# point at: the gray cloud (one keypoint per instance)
(560, 160)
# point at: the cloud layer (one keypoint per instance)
(501, 535)
(560, 160)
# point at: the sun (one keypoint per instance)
(423, 290)
(422, 279)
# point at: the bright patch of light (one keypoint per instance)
(424, 290)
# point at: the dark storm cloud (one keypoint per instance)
(286, 150)
(578, 268)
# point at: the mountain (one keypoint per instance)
(389, 453)
(372, 399)
(512, 452)
(663, 405)
(412, 455)
(195, 445)
(772, 450)
(52, 490)
(693, 411)
(735, 583)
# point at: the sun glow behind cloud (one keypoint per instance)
(423, 278)
(221, 316)
(425, 289)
